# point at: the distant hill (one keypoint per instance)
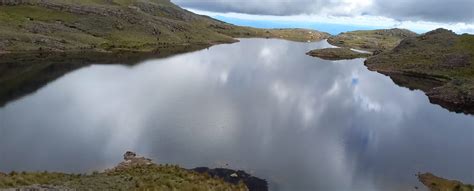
(62, 25)
(440, 62)
(371, 40)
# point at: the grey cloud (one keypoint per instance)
(426, 10)
(262, 7)
(429, 10)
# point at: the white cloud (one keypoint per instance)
(361, 20)
(427, 10)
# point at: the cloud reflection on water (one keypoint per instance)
(260, 105)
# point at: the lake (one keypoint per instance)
(260, 105)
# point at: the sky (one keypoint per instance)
(336, 16)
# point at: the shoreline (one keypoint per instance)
(136, 173)
(443, 87)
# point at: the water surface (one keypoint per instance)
(260, 105)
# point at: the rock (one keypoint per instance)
(234, 177)
(377, 52)
(131, 159)
(129, 155)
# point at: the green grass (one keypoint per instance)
(154, 24)
(435, 183)
(21, 13)
(152, 177)
(466, 43)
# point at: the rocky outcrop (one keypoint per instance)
(131, 160)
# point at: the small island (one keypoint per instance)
(337, 54)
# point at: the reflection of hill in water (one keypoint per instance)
(22, 74)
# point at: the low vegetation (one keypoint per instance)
(136, 173)
(151, 177)
(435, 183)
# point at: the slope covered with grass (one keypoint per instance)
(440, 62)
(118, 24)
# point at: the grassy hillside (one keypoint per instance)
(143, 25)
(439, 62)
(371, 40)
(435, 183)
(153, 177)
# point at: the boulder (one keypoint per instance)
(129, 155)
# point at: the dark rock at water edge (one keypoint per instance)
(253, 183)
